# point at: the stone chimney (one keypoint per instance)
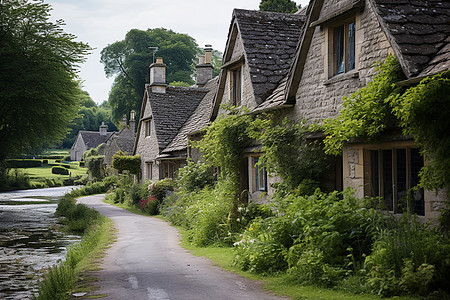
(158, 76)
(103, 129)
(124, 120)
(132, 121)
(204, 67)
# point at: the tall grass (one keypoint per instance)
(80, 219)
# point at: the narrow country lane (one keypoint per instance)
(146, 262)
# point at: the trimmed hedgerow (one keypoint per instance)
(60, 170)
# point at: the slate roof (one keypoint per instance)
(197, 121)
(93, 138)
(125, 140)
(419, 31)
(269, 40)
(172, 109)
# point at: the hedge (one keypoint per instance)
(23, 163)
(60, 170)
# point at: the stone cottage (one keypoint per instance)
(259, 51)
(337, 47)
(89, 139)
(121, 141)
(168, 113)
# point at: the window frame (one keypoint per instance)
(391, 176)
(259, 173)
(236, 87)
(148, 127)
(348, 26)
(149, 170)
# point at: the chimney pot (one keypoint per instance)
(208, 54)
(204, 67)
(158, 76)
(103, 129)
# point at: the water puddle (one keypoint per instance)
(30, 240)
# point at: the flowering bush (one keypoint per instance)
(149, 205)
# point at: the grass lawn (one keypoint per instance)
(41, 175)
(45, 171)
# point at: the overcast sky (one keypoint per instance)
(102, 22)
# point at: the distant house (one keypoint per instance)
(89, 139)
(121, 141)
(166, 111)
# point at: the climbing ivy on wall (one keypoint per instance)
(422, 111)
(289, 152)
(366, 113)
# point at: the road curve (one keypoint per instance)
(147, 262)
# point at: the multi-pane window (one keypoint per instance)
(166, 170)
(148, 127)
(344, 47)
(260, 176)
(236, 85)
(393, 175)
(149, 170)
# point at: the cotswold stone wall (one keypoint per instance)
(320, 97)
(147, 147)
(248, 96)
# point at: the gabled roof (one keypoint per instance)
(170, 110)
(419, 32)
(197, 121)
(269, 40)
(93, 138)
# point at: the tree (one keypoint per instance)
(38, 87)
(284, 6)
(89, 117)
(130, 58)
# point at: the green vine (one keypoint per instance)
(366, 113)
(422, 111)
(289, 153)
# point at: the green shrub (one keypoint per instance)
(136, 193)
(149, 205)
(67, 158)
(60, 170)
(204, 213)
(318, 238)
(162, 188)
(95, 167)
(195, 176)
(78, 217)
(409, 258)
(17, 179)
(123, 162)
(23, 163)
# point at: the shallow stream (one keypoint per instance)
(30, 241)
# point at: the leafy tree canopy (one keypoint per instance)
(284, 6)
(38, 87)
(89, 118)
(130, 58)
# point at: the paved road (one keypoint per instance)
(146, 262)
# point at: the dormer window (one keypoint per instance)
(236, 86)
(342, 35)
(344, 47)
